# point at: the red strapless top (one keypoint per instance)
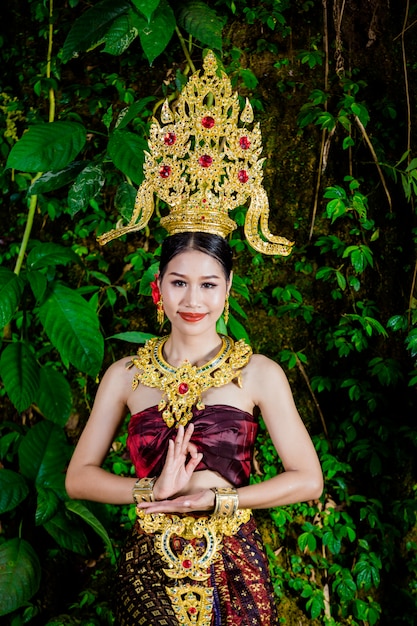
(224, 434)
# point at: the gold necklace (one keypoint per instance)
(183, 386)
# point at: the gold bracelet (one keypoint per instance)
(226, 501)
(143, 490)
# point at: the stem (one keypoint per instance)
(49, 62)
(320, 412)
(28, 228)
(184, 49)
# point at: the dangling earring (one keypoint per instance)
(160, 311)
(226, 310)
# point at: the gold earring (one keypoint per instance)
(160, 311)
(226, 310)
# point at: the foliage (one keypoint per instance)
(340, 314)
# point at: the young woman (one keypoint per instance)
(195, 555)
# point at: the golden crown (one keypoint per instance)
(203, 165)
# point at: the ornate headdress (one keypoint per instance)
(203, 164)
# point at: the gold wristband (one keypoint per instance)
(143, 490)
(226, 501)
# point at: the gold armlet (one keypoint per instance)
(226, 501)
(143, 490)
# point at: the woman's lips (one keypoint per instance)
(192, 317)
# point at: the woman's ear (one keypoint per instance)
(229, 283)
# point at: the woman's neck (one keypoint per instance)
(198, 350)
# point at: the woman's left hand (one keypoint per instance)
(199, 501)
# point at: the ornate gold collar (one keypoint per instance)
(184, 385)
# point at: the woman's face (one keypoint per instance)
(194, 290)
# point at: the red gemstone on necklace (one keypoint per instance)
(187, 563)
(243, 176)
(244, 143)
(208, 122)
(165, 171)
(170, 139)
(205, 160)
(182, 389)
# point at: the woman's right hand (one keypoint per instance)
(177, 472)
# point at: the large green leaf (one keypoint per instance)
(146, 7)
(90, 28)
(73, 327)
(43, 453)
(47, 505)
(202, 22)
(77, 507)
(127, 152)
(20, 574)
(13, 490)
(20, 373)
(68, 534)
(50, 254)
(156, 33)
(133, 336)
(47, 147)
(86, 186)
(124, 200)
(54, 395)
(120, 35)
(49, 181)
(38, 283)
(11, 289)
(129, 113)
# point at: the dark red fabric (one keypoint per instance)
(224, 434)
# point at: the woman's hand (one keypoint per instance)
(199, 501)
(177, 471)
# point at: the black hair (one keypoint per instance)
(213, 245)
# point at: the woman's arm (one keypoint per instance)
(85, 477)
(302, 479)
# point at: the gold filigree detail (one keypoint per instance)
(183, 386)
(192, 605)
(204, 162)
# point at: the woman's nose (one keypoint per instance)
(192, 296)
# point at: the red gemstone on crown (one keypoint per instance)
(165, 171)
(192, 610)
(182, 389)
(208, 122)
(187, 563)
(243, 176)
(205, 160)
(244, 143)
(170, 139)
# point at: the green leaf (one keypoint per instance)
(46, 255)
(156, 33)
(13, 490)
(11, 289)
(48, 146)
(43, 454)
(73, 328)
(54, 395)
(345, 588)
(120, 35)
(50, 181)
(67, 533)
(127, 153)
(124, 200)
(86, 186)
(20, 373)
(38, 283)
(133, 336)
(91, 27)
(237, 330)
(84, 512)
(129, 114)
(367, 572)
(202, 22)
(146, 7)
(20, 574)
(47, 505)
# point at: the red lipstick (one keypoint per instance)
(192, 317)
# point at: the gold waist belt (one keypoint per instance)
(176, 539)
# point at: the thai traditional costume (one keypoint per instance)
(153, 586)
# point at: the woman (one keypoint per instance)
(195, 556)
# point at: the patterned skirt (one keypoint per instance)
(234, 590)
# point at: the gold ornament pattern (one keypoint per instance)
(183, 386)
(193, 604)
(204, 161)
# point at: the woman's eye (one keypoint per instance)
(178, 283)
(208, 285)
